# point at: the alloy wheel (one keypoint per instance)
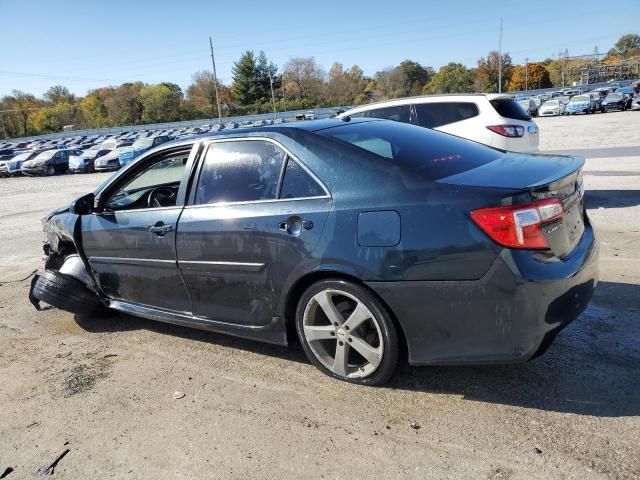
(343, 334)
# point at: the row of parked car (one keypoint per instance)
(573, 101)
(95, 153)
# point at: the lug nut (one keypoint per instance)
(341, 343)
(333, 334)
(349, 339)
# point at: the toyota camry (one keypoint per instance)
(363, 238)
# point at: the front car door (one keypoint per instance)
(130, 244)
(254, 215)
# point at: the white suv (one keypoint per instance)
(492, 119)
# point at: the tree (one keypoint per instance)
(160, 103)
(245, 79)
(627, 46)
(265, 71)
(487, 72)
(417, 76)
(345, 86)
(532, 76)
(452, 78)
(123, 103)
(94, 111)
(304, 78)
(58, 94)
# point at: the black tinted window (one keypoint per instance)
(297, 183)
(432, 115)
(508, 108)
(240, 171)
(401, 113)
(426, 152)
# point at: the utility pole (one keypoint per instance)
(500, 59)
(273, 97)
(215, 81)
(526, 74)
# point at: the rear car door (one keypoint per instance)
(61, 161)
(130, 245)
(254, 215)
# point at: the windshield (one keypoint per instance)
(552, 103)
(421, 150)
(580, 98)
(614, 96)
(23, 156)
(143, 143)
(46, 155)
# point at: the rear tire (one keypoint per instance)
(347, 333)
(67, 293)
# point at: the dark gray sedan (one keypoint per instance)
(367, 237)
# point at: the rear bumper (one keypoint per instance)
(509, 315)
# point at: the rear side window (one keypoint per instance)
(426, 152)
(240, 171)
(401, 113)
(509, 108)
(297, 183)
(432, 115)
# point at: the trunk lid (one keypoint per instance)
(543, 177)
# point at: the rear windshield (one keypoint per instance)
(508, 108)
(426, 152)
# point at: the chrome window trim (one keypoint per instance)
(129, 260)
(253, 202)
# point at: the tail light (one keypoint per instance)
(519, 226)
(512, 131)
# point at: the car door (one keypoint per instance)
(130, 244)
(61, 161)
(255, 214)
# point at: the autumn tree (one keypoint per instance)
(531, 76)
(59, 94)
(627, 46)
(303, 78)
(486, 74)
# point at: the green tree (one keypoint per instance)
(264, 68)
(627, 46)
(245, 79)
(451, 78)
(160, 103)
(94, 111)
(123, 103)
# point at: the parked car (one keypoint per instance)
(552, 107)
(635, 103)
(7, 153)
(581, 104)
(127, 155)
(109, 161)
(47, 163)
(495, 120)
(254, 234)
(310, 115)
(13, 166)
(85, 162)
(529, 105)
(616, 101)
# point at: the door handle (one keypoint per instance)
(160, 229)
(295, 225)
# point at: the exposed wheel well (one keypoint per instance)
(306, 281)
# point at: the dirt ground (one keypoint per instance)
(104, 388)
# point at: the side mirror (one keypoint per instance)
(82, 205)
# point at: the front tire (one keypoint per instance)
(51, 171)
(347, 333)
(66, 293)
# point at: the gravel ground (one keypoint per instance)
(103, 388)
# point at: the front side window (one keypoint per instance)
(437, 114)
(240, 171)
(156, 186)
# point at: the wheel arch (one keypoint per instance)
(294, 293)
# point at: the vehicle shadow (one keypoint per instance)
(592, 368)
(611, 198)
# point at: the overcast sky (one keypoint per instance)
(88, 44)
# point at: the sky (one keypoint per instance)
(89, 44)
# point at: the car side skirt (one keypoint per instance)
(273, 332)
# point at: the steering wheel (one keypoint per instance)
(162, 197)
